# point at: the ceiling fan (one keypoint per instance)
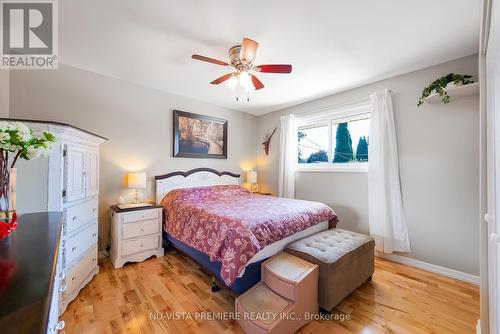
(241, 59)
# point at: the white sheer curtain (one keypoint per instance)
(288, 154)
(385, 204)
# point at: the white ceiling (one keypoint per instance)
(332, 45)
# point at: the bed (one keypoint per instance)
(226, 229)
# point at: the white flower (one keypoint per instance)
(21, 127)
(25, 136)
(4, 125)
(4, 136)
(41, 151)
(23, 131)
(11, 126)
(10, 147)
(33, 152)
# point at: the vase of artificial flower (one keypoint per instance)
(5, 200)
(17, 141)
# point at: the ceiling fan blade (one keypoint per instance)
(256, 82)
(222, 79)
(274, 68)
(248, 50)
(209, 60)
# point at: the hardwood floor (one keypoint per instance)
(399, 299)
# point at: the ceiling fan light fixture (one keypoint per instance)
(248, 50)
(232, 83)
(245, 81)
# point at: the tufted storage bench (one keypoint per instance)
(345, 260)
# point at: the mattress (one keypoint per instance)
(279, 245)
(232, 226)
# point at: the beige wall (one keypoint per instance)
(136, 119)
(438, 151)
(4, 93)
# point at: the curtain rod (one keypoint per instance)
(338, 105)
(334, 106)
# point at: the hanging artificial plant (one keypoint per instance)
(440, 84)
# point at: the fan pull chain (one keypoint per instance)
(247, 97)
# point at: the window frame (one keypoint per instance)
(331, 117)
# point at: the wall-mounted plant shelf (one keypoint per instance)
(455, 92)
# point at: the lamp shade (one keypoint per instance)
(137, 180)
(252, 177)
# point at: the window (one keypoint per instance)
(313, 144)
(334, 141)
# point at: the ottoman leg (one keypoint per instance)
(323, 311)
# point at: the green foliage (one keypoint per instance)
(320, 156)
(301, 135)
(362, 150)
(439, 85)
(343, 147)
(38, 146)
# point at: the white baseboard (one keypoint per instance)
(478, 327)
(452, 273)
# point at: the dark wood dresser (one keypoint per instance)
(29, 287)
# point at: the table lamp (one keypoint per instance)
(252, 179)
(137, 181)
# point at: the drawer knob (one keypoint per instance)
(142, 230)
(94, 235)
(62, 288)
(140, 245)
(73, 249)
(73, 279)
(60, 325)
(93, 260)
(74, 218)
(94, 210)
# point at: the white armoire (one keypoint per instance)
(67, 181)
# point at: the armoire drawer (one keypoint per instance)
(80, 214)
(80, 271)
(133, 230)
(140, 215)
(140, 244)
(77, 244)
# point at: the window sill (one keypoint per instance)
(344, 168)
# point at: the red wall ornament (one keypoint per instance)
(267, 141)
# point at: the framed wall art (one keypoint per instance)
(199, 136)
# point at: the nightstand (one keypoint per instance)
(135, 234)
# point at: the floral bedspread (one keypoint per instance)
(231, 225)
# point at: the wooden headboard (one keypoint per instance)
(199, 177)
